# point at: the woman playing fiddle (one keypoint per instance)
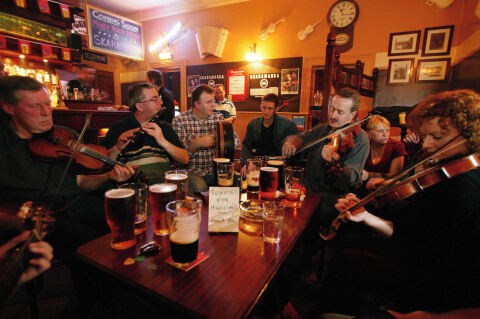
(432, 265)
(386, 156)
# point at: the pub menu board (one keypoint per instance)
(114, 34)
(270, 71)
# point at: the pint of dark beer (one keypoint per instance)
(268, 183)
(279, 163)
(120, 215)
(184, 223)
(217, 161)
(160, 196)
(180, 178)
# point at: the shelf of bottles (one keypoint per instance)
(50, 80)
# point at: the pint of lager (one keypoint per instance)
(294, 185)
(268, 183)
(160, 196)
(120, 215)
(180, 178)
(184, 222)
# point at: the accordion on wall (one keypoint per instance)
(211, 40)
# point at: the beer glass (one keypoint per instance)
(180, 178)
(141, 203)
(278, 162)
(294, 184)
(217, 161)
(183, 218)
(272, 222)
(120, 215)
(253, 177)
(160, 196)
(268, 182)
(225, 174)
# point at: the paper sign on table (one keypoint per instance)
(223, 209)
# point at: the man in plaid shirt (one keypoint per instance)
(196, 129)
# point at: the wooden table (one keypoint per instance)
(226, 285)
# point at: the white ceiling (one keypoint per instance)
(143, 10)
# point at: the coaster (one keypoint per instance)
(187, 266)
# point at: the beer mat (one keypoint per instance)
(288, 203)
(187, 266)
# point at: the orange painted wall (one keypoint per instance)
(378, 18)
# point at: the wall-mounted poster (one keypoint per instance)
(289, 81)
(263, 84)
(192, 82)
(212, 79)
(237, 85)
(114, 34)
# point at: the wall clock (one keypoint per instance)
(343, 14)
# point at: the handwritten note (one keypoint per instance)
(223, 209)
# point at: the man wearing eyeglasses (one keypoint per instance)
(144, 140)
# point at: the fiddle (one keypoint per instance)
(343, 141)
(58, 145)
(349, 130)
(392, 191)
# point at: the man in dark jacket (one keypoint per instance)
(265, 134)
(155, 78)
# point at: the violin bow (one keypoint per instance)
(70, 160)
(329, 233)
(321, 139)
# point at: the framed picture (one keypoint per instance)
(437, 41)
(434, 70)
(404, 43)
(400, 71)
(289, 81)
(299, 121)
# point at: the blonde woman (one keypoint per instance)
(387, 155)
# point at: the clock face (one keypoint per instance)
(343, 14)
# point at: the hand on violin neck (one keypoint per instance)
(329, 154)
(358, 215)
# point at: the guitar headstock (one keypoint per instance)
(36, 218)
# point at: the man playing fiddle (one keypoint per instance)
(26, 111)
(432, 264)
(328, 171)
(153, 150)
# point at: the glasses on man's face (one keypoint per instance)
(154, 99)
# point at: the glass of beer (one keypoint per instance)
(217, 161)
(268, 182)
(253, 177)
(278, 162)
(272, 222)
(160, 196)
(180, 178)
(225, 174)
(120, 215)
(141, 203)
(294, 185)
(184, 222)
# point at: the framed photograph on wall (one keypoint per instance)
(400, 71)
(437, 40)
(404, 43)
(433, 70)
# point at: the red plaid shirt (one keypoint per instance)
(189, 128)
